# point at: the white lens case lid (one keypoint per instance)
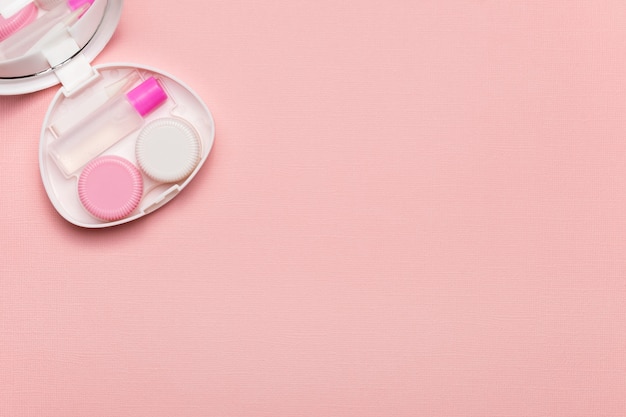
(168, 149)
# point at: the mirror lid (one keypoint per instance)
(66, 57)
(10, 7)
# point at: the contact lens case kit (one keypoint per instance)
(119, 140)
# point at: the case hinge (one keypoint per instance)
(70, 66)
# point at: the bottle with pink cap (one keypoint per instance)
(106, 126)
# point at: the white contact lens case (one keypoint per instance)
(119, 140)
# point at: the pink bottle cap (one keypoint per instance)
(17, 21)
(147, 96)
(110, 187)
(75, 4)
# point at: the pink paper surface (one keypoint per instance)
(413, 208)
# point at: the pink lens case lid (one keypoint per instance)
(110, 187)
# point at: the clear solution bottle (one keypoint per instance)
(106, 126)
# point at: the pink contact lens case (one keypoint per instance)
(119, 140)
(110, 187)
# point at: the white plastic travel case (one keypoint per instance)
(119, 140)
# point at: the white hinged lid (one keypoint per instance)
(55, 47)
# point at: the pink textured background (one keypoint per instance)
(413, 208)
